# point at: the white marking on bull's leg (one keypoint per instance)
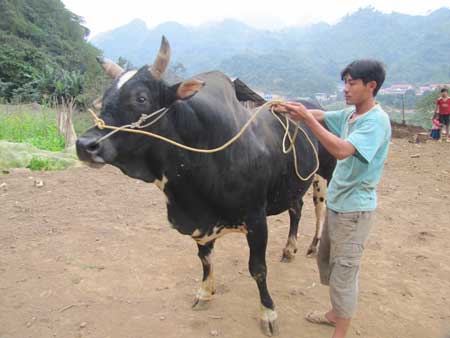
(268, 320)
(207, 289)
(196, 233)
(319, 198)
(161, 184)
(125, 77)
(217, 233)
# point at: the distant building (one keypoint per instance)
(325, 97)
(272, 96)
(402, 88)
(439, 85)
(423, 89)
(397, 89)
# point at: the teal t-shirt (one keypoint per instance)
(355, 178)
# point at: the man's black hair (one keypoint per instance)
(444, 90)
(366, 70)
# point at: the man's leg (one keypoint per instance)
(348, 234)
(323, 255)
(323, 263)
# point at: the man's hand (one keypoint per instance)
(278, 108)
(296, 110)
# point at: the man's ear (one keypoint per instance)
(188, 88)
(372, 85)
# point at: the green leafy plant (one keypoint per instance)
(38, 163)
(38, 129)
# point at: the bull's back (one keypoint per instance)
(255, 166)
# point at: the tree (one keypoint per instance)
(427, 104)
(36, 34)
(61, 89)
(124, 63)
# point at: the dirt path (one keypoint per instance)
(91, 254)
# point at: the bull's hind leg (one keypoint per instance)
(207, 289)
(257, 242)
(319, 199)
(295, 213)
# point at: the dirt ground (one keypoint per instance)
(91, 254)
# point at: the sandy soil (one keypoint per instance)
(91, 254)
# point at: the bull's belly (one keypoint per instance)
(277, 207)
(281, 200)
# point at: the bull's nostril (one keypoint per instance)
(93, 147)
(88, 145)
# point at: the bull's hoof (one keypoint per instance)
(288, 255)
(268, 321)
(269, 327)
(312, 251)
(201, 305)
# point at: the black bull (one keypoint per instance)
(208, 195)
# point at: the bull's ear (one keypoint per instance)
(188, 88)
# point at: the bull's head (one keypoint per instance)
(132, 94)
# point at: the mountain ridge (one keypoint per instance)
(296, 60)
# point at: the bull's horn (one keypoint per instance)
(110, 68)
(162, 60)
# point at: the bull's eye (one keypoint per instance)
(141, 99)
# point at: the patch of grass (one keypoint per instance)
(39, 163)
(36, 128)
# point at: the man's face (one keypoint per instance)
(444, 94)
(356, 91)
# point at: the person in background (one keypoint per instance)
(443, 108)
(436, 128)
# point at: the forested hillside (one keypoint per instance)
(41, 41)
(298, 61)
(40, 38)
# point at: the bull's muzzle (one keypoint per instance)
(88, 150)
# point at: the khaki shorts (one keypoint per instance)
(339, 258)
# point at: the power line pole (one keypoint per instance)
(403, 109)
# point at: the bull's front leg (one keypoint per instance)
(319, 199)
(295, 213)
(257, 242)
(207, 288)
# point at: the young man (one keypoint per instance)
(443, 107)
(359, 138)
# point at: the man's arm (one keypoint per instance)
(318, 114)
(336, 146)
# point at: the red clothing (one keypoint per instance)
(436, 124)
(444, 106)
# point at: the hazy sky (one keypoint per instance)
(104, 15)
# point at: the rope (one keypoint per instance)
(135, 126)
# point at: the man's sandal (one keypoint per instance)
(318, 317)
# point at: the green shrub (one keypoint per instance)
(36, 128)
(40, 163)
